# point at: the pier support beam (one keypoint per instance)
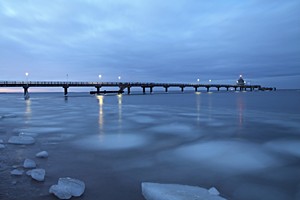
(66, 90)
(196, 89)
(227, 88)
(26, 93)
(218, 88)
(207, 89)
(182, 88)
(128, 90)
(166, 88)
(144, 90)
(98, 89)
(151, 90)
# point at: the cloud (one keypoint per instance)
(151, 39)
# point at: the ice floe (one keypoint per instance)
(2, 146)
(67, 187)
(112, 142)
(21, 140)
(42, 154)
(38, 174)
(1, 141)
(157, 191)
(285, 146)
(9, 116)
(17, 172)
(230, 156)
(213, 191)
(28, 163)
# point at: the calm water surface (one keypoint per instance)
(246, 144)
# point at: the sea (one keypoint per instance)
(245, 144)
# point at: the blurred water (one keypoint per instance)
(244, 143)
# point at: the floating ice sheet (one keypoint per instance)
(291, 147)
(228, 155)
(112, 141)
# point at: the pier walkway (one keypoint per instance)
(122, 86)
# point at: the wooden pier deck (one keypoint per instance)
(127, 86)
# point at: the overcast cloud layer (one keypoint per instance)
(155, 40)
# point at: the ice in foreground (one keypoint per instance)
(17, 172)
(157, 191)
(42, 154)
(21, 140)
(29, 163)
(67, 187)
(38, 174)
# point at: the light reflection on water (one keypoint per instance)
(228, 140)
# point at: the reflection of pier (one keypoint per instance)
(122, 86)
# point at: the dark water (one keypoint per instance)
(246, 144)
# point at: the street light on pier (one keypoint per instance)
(119, 77)
(26, 74)
(198, 80)
(209, 80)
(100, 76)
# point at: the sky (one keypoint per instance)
(151, 41)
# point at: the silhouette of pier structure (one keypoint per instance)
(126, 86)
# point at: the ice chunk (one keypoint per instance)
(157, 191)
(21, 140)
(213, 191)
(38, 174)
(1, 141)
(29, 163)
(67, 187)
(28, 134)
(9, 116)
(2, 146)
(42, 154)
(17, 172)
(28, 173)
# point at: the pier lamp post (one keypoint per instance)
(26, 74)
(198, 80)
(119, 77)
(209, 81)
(100, 76)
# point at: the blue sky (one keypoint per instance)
(151, 40)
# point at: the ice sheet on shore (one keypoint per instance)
(157, 191)
(67, 187)
(21, 140)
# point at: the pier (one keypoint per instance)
(125, 87)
